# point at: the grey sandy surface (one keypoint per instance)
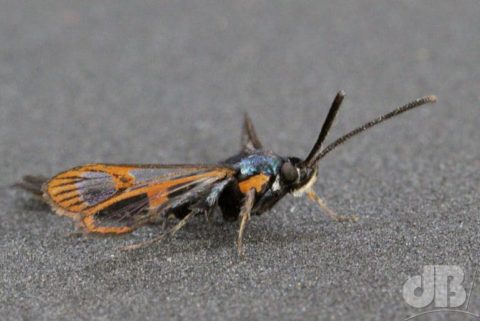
(169, 81)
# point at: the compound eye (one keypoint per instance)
(289, 172)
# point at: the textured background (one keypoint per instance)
(168, 81)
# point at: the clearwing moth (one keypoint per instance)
(117, 199)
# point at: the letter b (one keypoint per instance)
(449, 291)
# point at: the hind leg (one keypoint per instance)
(169, 233)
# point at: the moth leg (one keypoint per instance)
(171, 232)
(250, 139)
(245, 212)
(330, 213)
(208, 217)
(205, 204)
(166, 219)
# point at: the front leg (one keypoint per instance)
(245, 212)
(330, 213)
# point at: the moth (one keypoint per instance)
(117, 199)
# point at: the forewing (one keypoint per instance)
(118, 198)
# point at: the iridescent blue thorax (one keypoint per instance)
(256, 163)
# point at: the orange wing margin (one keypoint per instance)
(87, 192)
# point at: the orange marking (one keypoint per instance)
(89, 223)
(64, 196)
(157, 193)
(124, 181)
(257, 182)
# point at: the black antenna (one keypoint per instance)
(413, 104)
(327, 124)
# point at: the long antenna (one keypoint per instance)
(327, 124)
(413, 104)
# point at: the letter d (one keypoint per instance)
(425, 283)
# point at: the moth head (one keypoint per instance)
(297, 177)
(307, 168)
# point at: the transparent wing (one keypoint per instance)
(118, 198)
